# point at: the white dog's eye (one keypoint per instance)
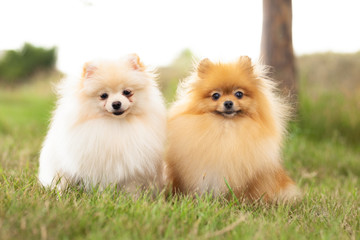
(104, 96)
(127, 93)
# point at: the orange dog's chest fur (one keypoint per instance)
(212, 149)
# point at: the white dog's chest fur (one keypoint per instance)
(115, 151)
(112, 151)
(105, 151)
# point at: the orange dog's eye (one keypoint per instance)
(215, 96)
(239, 94)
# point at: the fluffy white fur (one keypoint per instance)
(87, 143)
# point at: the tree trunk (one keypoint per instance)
(276, 44)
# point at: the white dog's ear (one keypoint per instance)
(135, 62)
(88, 70)
(204, 67)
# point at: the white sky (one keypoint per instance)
(158, 30)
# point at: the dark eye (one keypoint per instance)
(239, 94)
(215, 96)
(104, 96)
(127, 92)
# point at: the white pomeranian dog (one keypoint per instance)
(108, 129)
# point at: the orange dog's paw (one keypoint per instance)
(289, 194)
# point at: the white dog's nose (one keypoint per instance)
(116, 105)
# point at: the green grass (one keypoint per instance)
(322, 154)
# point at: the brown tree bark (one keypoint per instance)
(276, 44)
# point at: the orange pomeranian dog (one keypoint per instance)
(227, 126)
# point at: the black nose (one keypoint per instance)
(228, 104)
(116, 105)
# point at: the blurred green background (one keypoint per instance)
(18, 66)
(328, 101)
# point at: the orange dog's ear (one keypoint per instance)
(245, 62)
(135, 62)
(204, 67)
(88, 69)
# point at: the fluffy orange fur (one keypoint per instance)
(209, 142)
